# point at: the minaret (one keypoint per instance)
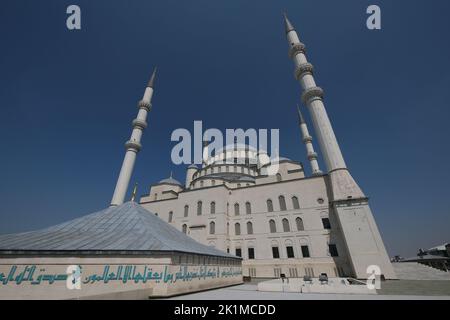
(307, 140)
(133, 146)
(349, 206)
(312, 97)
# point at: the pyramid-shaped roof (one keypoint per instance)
(128, 228)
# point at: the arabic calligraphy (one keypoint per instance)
(122, 273)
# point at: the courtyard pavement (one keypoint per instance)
(390, 290)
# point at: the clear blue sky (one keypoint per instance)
(68, 98)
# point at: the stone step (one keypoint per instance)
(417, 271)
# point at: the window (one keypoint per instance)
(213, 208)
(251, 253)
(156, 196)
(282, 202)
(228, 228)
(299, 223)
(249, 228)
(238, 185)
(239, 252)
(272, 226)
(333, 250)
(290, 252)
(213, 182)
(184, 228)
(186, 210)
(275, 253)
(248, 208)
(278, 177)
(236, 209)
(170, 216)
(156, 214)
(295, 203)
(286, 227)
(269, 205)
(212, 227)
(305, 251)
(199, 208)
(237, 229)
(201, 183)
(326, 223)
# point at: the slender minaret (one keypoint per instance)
(349, 206)
(307, 140)
(134, 144)
(312, 97)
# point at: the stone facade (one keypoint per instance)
(235, 208)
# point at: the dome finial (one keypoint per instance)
(133, 195)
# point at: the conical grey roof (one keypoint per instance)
(128, 227)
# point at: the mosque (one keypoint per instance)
(228, 219)
(287, 223)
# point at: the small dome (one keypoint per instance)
(170, 181)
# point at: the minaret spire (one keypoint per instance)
(348, 203)
(312, 97)
(287, 24)
(307, 140)
(133, 146)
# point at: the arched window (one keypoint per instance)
(286, 227)
(282, 202)
(170, 216)
(184, 228)
(278, 177)
(213, 208)
(156, 196)
(199, 208)
(272, 226)
(236, 209)
(295, 203)
(237, 229)
(299, 223)
(248, 208)
(269, 205)
(249, 228)
(228, 228)
(212, 227)
(186, 210)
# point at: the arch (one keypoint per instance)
(282, 202)
(272, 226)
(299, 223)
(199, 208)
(269, 205)
(170, 216)
(295, 203)
(212, 208)
(278, 177)
(286, 226)
(248, 208)
(236, 209)
(237, 228)
(212, 227)
(186, 210)
(249, 227)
